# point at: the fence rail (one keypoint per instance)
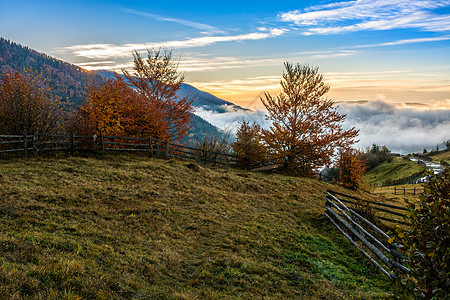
(37, 143)
(364, 234)
(404, 191)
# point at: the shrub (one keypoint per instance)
(427, 241)
(26, 104)
(351, 168)
(249, 145)
(376, 155)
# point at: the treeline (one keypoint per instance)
(376, 155)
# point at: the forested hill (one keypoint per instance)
(70, 81)
(65, 79)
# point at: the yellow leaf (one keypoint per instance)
(431, 254)
(401, 235)
(391, 240)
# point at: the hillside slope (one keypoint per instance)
(65, 79)
(398, 169)
(122, 227)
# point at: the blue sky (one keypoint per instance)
(397, 51)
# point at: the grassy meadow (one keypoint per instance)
(443, 155)
(104, 226)
(398, 168)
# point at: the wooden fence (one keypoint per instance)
(364, 234)
(404, 191)
(37, 143)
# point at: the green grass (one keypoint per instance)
(397, 169)
(443, 155)
(130, 227)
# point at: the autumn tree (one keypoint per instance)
(27, 104)
(351, 168)
(249, 145)
(306, 127)
(116, 109)
(157, 80)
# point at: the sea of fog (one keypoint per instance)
(402, 130)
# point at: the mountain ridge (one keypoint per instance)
(70, 81)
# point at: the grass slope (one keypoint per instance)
(443, 155)
(122, 227)
(397, 169)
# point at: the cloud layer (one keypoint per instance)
(102, 51)
(350, 16)
(402, 130)
(229, 121)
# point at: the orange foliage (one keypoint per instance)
(157, 81)
(351, 168)
(144, 104)
(116, 110)
(249, 145)
(26, 104)
(306, 128)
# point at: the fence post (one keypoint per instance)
(404, 191)
(35, 141)
(94, 140)
(72, 143)
(25, 142)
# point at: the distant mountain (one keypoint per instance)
(202, 99)
(65, 79)
(70, 81)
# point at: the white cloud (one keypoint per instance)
(278, 31)
(174, 20)
(104, 51)
(335, 54)
(407, 41)
(229, 121)
(401, 129)
(360, 15)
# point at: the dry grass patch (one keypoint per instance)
(123, 227)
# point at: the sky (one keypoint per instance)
(370, 51)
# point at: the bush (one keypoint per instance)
(212, 145)
(27, 104)
(376, 155)
(351, 169)
(249, 145)
(427, 241)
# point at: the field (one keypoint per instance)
(103, 226)
(387, 193)
(443, 155)
(397, 169)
